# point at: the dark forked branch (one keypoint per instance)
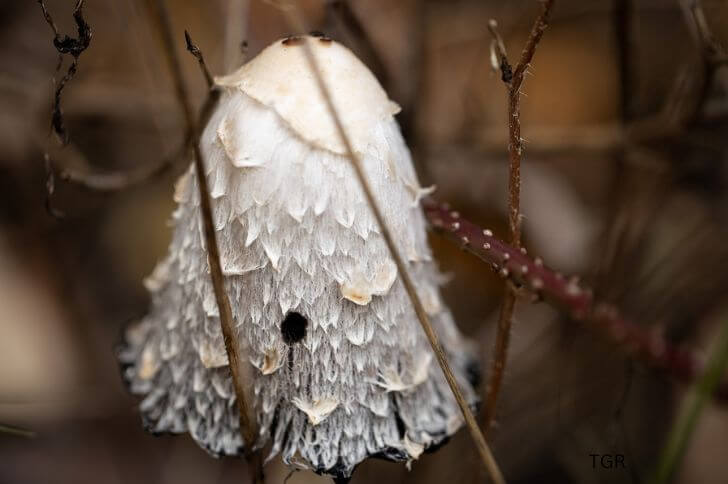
(74, 47)
(513, 79)
(568, 295)
(65, 45)
(100, 182)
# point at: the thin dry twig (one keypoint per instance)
(499, 59)
(713, 55)
(500, 356)
(74, 47)
(498, 54)
(66, 45)
(195, 51)
(513, 78)
(119, 180)
(295, 20)
(515, 147)
(247, 421)
(568, 295)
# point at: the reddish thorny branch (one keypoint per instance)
(568, 295)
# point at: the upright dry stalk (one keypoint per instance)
(232, 347)
(513, 78)
(295, 20)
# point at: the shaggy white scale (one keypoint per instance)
(343, 370)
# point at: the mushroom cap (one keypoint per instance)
(350, 375)
(281, 78)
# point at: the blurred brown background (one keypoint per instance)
(624, 182)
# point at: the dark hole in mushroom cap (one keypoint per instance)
(293, 328)
(401, 428)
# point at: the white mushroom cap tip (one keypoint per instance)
(281, 78)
